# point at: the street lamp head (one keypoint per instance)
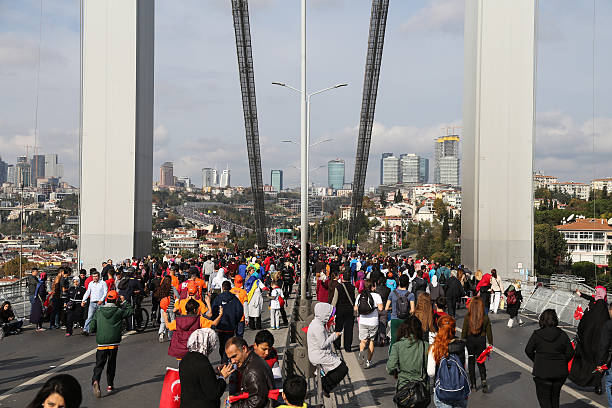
(279, 83)
(340, 85)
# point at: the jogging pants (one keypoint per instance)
(548, 391)
(73, 316)
(223, 338)
(333, 378)
(255, 323)
(102, 356)
(344, 323)
(275, 318)
(451, 304)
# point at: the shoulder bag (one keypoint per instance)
(414, 393)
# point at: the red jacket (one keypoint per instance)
(185, 325)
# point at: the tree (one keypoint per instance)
(550, 249)
(445, 231)
(383, 200)
(439, 208)
(185, 254)
(11, 268)
(604, 192)
(587, 270)
(398, 197)
(157, 250)
(542, 192)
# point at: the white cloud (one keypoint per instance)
(438, 15)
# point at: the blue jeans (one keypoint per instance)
(93, 306)
(440, 404)
(240, 329)
(608, 384)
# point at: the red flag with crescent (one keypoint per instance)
(171, 390)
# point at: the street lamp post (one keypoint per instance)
(304, 144)
(21, 248)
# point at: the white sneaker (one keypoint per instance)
(161, 337)
(368, 364)
(510, 323)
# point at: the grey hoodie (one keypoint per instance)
(320, 340)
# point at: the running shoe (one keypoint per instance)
(96, 389)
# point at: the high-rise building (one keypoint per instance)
(383, 157)
(276, 179)
(166, 174)
(335, 174)
(209, 177)
(52, 167)
(445, 146)
(410, 168)
(38, 167)
(224, 180)
(391, 170)
(11, 174)
(23, 172)
(423, 170)
(449, 170)
(182, 182)
(3, 171)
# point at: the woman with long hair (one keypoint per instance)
(408, 357)
(445, 344)
(477, 331)
(62, 390)
(166, 294)
(424, 313)
(497, 287)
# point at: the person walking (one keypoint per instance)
(368, 304)
(550, 349)
(454, 292)
(408, 359)
(483, 289)
(242, 296)
(424, 312)
(276, 294)
(514, 298)
(232, 314)
(434, 289)
(447, 347)
(32, 284)
(56, 298)
(107, 322)
(320, 354)
(254, 287)
(497, 288)
(344, 302)
(477, 331)
(74, 310)
(96, 293)
(40, 295)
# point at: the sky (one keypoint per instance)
(198, 110)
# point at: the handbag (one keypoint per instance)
(355, 312)
(414, 393)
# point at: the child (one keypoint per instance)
(276, 293)
(294, 392)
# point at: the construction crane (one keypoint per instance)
(240, 12)
(376, 40)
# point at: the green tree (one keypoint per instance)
(157, 251)
(11, 268)
(587, 270)
(398, 197)
(550, 249)
(439, 208)
(542, 192)
(185, 254)
(383, 199)
(604, 192)
(445, 231)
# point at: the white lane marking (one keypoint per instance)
(364, 395)
(527, 368)
(41, 377)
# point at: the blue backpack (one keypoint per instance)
(451, 380)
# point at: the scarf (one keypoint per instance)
(203, 341)
(600, 293)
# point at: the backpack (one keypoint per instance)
(366, 303)
(418, 285)
(512, 298)
(123, 284)
(442, 279)
(402, 305)
(451, 380)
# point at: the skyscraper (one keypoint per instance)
(11, 174)
(38, 167)
(410, 168)
(335, 174)
(384, 155)
(276, 179)
(391, 170)
(52, 167)
(449, 170)
(445, 146)
(23, 172)
(224, 181)
(423, 170)
(166, 174)
(3, 171)
(209, 177)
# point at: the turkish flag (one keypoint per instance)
(171, 390)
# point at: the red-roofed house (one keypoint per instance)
(588, 239)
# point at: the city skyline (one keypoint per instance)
(414, 102)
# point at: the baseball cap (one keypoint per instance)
(112, 295)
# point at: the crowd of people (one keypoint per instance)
(406, 306)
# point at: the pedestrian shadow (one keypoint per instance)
(6, 364)
(157, 378)
(505, 378)
(581, 403)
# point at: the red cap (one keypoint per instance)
(112, 295)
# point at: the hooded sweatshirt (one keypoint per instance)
(550, 350)
(185, 325)
(320, 339)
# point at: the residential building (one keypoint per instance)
(445, 146)
(449, 171)
(588, 239)
(38, 167)
(182, 182)
(335, 174)
(423, 170)
(599, 184)
(410, 167)
(383, 157)
(542, 181)
(209, 177)
(166, 174)
(391, 171)
(224, 181)
(578, 190)
(52, 166)
(276, 178)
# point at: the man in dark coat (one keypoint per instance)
(454, 292)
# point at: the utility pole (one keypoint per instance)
(21, 246)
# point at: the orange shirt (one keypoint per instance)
(241, 295)
(175, 281)
(201, 283)
(180, 305)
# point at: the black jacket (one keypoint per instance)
(550, 350)
(605, 345)
(200, 387)
(232, 311)
(31, 283)
(256, 380)
(453, 290)
(345, 303)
